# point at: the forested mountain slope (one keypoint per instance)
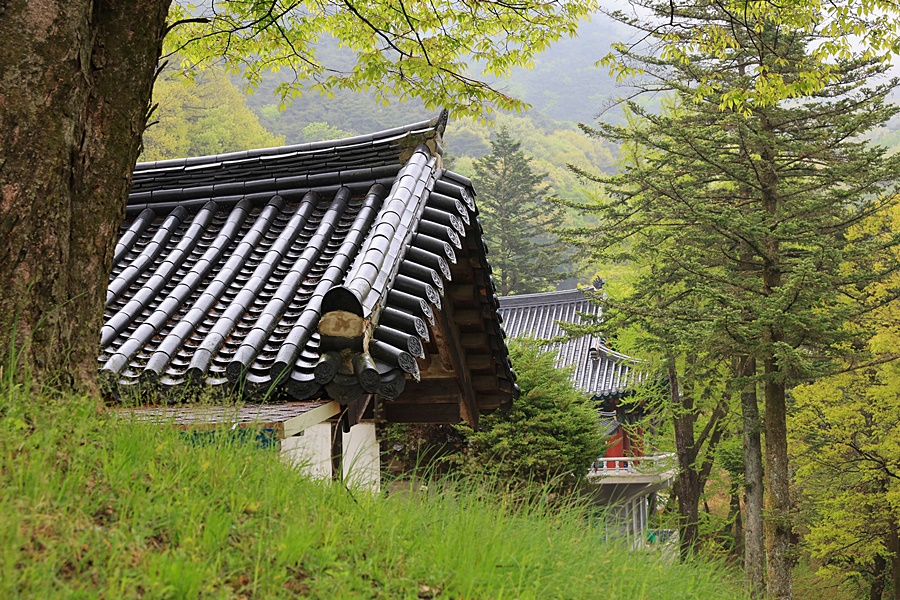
(565, 87)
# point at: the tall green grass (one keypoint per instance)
(92, 506)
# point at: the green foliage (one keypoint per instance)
(100, 506)
(433, 51)
(321, 131)
(845, 432)
(738, 221)
(550, 432)
(563, 85)
(846, 448)
(199, 117)
(552, 144)
(843, 30)
(518, 220)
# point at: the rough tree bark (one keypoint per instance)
(692, 476)
(75, 88)
(894, 547)
(876, 590)
(778, 501)
(688, 508)
(754, 547)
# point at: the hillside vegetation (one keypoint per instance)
(100, 506)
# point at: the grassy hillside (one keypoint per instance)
(95, 506)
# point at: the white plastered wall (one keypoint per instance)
(362, 458)
(310, 451)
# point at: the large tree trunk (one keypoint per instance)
(876, 590)
(692, 476)
(778, 501)
(686, 483)
(754, 547)
(894, 547)
(74, 92)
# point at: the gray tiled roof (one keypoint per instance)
(226, 264)
(598, 370)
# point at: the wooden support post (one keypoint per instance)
(447, 332)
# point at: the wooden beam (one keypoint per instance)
(449, 332)
(480, 362)
(490, 402)
(468, 317)
(401, 412)
(436, 370)
(490, 383)
(438, 390)
(310, 418)
(474, 340)
(486, 383)
(461, 292)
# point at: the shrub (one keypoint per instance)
(551, 432)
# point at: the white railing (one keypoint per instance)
(624, 465)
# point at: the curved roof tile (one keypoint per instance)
(598, 370)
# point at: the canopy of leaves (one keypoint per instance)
(739, 220)
(199, 117)
(846, 444)
(846, 435)
(398, 49)
(551, 431)
(737, 205)
(840, 30)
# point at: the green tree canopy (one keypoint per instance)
(842, 29)
(845, 431)
(550, 431)
(203, 116)
(518, 220)
(440, 52)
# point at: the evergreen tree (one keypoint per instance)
(551, 430)
(740, 217)
(518, 220)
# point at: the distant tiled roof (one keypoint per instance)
(325, 270)
(598, 370)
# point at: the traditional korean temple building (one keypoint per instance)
(625, 478)
(601, 373)
(343, 280)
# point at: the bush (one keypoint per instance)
(550, 433)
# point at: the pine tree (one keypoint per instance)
(740, 218)
(518, 220)
(550, 432)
